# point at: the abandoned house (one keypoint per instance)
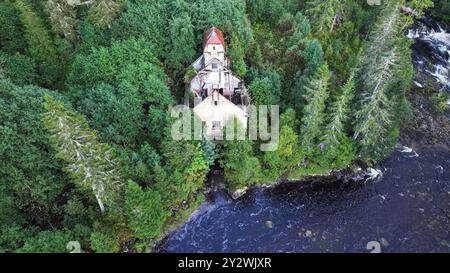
(217, 94)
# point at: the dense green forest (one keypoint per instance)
(85, 87)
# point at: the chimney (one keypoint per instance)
(215, 97)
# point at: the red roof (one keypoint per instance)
(213, 36)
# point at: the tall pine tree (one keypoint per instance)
(240, 166)
(144, 211)
(337, 149)
(90, 163)
(102, 12)
(182, 42)
(63, 18)
(316, 94)
(374, 119)
(313, 60)
(325, 14)
(40, 43)
(287, 156)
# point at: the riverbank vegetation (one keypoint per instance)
(85, 88)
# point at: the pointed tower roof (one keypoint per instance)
(213, 36)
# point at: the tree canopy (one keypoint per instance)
(86, 89)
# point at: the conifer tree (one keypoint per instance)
(144, 211)
(209, 151)
(63, 18)
(305, 56)
(143, 19)
(241, 167)
(187, 169)
(336, 146)
(374, 119)
(11, 30)
(182, 42)
(261, 92)
(313, 55)
(316, 94)
(236, 53)
(102, 12)
(301, 30)
(90, 163)
(19, 68)
(287, 155)
(40, 44)
(325, 14)
(313, 58)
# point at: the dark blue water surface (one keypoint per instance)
(405, 210)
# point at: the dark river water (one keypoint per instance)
(406, 209)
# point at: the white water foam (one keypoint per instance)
(373, 173)
(440, 41)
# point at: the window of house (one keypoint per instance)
(216, 125)
(214, 66)
(214, 48)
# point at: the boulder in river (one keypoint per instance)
(238, 193)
